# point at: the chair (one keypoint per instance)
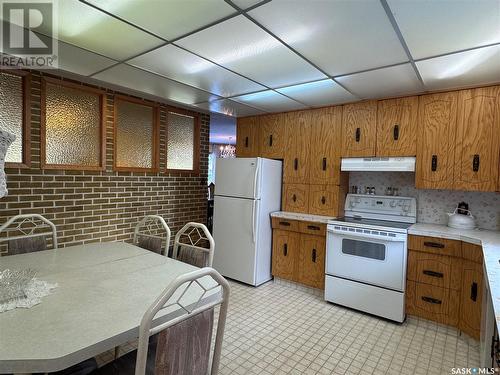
(28, 233)
(180, 346)
(195, 245)
(147, 234)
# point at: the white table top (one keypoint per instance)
(103, 291)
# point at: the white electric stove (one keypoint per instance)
(366, 254)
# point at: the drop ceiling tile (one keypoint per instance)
(431, 28)
(80, 61)
(138, 80)
(382, 83)
(319, 93)
(247, 49)
(477, 67)
(340, 37)
(229, 107)
(86, 27)
(167, 18)
(182, 66)
(269, 101)
(245, 4)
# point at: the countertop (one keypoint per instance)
(303, 217)
(489, 240)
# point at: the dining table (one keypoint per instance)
(102, 293)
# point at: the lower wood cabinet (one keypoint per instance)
(299, 250)
(445, 282)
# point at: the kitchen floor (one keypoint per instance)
(282, 328)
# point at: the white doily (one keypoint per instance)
(35, 291)
(6, 140)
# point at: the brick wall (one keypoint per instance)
(90, 206)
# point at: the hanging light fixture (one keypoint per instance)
(227, 151)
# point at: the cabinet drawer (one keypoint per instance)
(434, 245)
(472, 252)
(317, 229)
(295, 197)
(427, 301)
(429, 269)
(285, 224)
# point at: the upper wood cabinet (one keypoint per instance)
(272, 136)
(478, 139)
(247, 131)
(298, 140)
(326, 133)
(397, 127)
(359, 129)
(437, 117)
(296, 197)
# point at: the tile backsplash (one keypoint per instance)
(432, 205)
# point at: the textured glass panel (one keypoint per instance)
(73, 126)
(180, 147)
(11, 113)
(134, 135)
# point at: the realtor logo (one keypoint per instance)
(28, 37)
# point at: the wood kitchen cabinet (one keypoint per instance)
(326, 200)
(325, 145)
(285, 253)
(272, 136)
(359, 129)
(311, 270)
(437, 117)
(296, 197)
(477, 146)
(397, 127)
(247, 131)
(298, 144)
(471, 298)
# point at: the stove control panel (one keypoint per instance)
(380, 207)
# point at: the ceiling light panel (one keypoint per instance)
(167, 18)
(339, 36)
(245, 48)
(229, 107)
(319, 93)
(86, 27)
(387, 82)
(185, 67)
(269, 101)
(141, 81)
(432, 28)
(476, 67)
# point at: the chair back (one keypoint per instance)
(28, 233)
(152, 233)
(195, 245)
(184, 342)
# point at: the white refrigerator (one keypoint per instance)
(247, 190)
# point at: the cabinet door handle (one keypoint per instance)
(313, 255)
(270, 140)
(324, 164)
(246, 141)
(433, 273)
(313, 227)
(296, 164)
(358, 134)
(432, 300)
(294, 198)
(475, 163)
(323, 200)
(285, 223)
(285, 249)
(473, 291)
(395, 132)
(434, 244)
(434, 163)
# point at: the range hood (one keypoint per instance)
(404, 164)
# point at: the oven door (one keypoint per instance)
(368, 256)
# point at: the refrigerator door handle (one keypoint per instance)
(253, 221)
(255, 180)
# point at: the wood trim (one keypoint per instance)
(196, 142)
(82, 87)
(26, 151)
(155, 139)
